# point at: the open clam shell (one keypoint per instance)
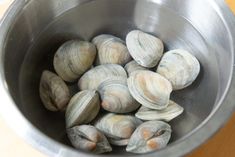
(53, 91)
(111, 50)
(150, 89)
(116, 97)
(149, 136)
(88, 138)
(117, 127)
(172, 111)
(144, 48)
(95, 76)
(82, 108)
(179, 67)
(74, 58)
(133, 66)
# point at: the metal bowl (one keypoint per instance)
(32, 30)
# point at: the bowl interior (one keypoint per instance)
(36, 35)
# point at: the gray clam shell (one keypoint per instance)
(82, 108)
(118, 142)
(53, 91)
(95, 76)
(111, 50)
(117, 127)
(150, 89)
(74, 58)
(172, 111)
(133, 66)
(116, 97)
(144, 48)
(149, 136)
(180, 67)
(88, 138)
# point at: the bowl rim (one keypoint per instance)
(50, 147)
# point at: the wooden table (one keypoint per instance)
(221, 145)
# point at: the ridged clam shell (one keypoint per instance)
(117, 127)
(88, 138)
(115, 96)
(98, 40)
(118, 142)
(133, 66)
(82, 108)
(150, 89)
(111, 50)
(179, 67)
(54, 93)
(95, 76)
(149, 136)
(172, 111)
(74, 58)
(144, 48)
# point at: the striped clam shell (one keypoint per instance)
(149, 136)
(144, 48)
(117, 127)
(53, 91)
(116, 97)
(74, 58)
(111, 50)
(133, 66)
(180, 67)
(150, 89)
(95, 76)
(172, 111)
(88, 138)
(82, 108)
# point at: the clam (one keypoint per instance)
(115, 96)
(95, 76)
(118, 128)
(74, 58)
(88, 138)
(149, 136)
(144, 48)
(179, 67)
(118, 142)
(150, 89)
(133, 66)
(98, 40)
(82, 108)
(172, 111)
(54, 93)
(111, 50)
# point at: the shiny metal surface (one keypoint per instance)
(32, 30)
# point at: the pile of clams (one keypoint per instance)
(124, 91)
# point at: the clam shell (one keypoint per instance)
(150, 89)
(111, 50)
(149, 136)
(82, 108)
(54, 93)
(118, 142)
(88, 138)
(117, 127)
(133, 66)
(144, 48)
(115, 96)
(98, 40)
(172, 111)
(74, 58)
(95, 76)
(179, 67)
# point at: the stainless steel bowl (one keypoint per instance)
(32, 30)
